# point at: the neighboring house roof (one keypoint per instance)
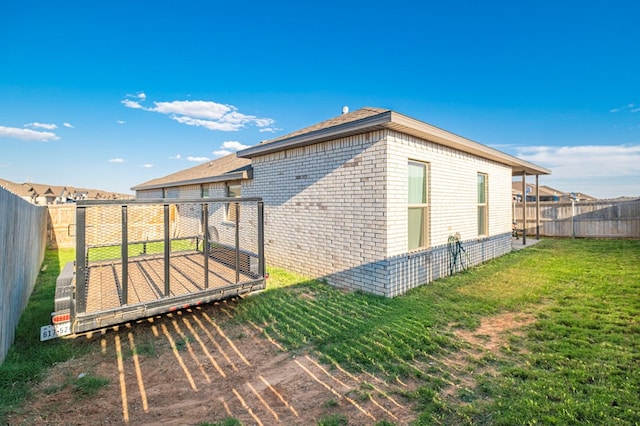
(370, 119)
(229, 167)
(35, 190)
(16, 188)
(545, 190)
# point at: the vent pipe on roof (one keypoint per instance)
(345, 109)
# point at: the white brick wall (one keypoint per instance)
(189, 218)
(338, 209)
(453, 192)
(325, 209)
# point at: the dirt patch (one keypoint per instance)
(465, 365)
(493, 331)
(196, 366)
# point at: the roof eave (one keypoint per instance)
(239, 175)
(402, 123)
(375, 122)
(435, 134)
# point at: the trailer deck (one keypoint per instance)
(139, 258)
(146, 279)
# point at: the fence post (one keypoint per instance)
(573, 219)
(167, 252)
(524, 208)
(205, 243)
(237, 242)
(81, 261)
(537, 207)
(124, 250)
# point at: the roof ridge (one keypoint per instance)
(348, 117)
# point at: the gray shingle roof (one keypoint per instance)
(332, 122)
(228, 165)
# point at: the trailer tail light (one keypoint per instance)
(60, 318)
(61, 326)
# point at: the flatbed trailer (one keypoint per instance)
(140, 258)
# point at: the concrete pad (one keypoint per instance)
(516, 243)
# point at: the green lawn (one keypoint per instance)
(28, 358)
(114, 252)
(578, 362)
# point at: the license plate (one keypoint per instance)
(48, 332)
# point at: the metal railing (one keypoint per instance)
(158, 254)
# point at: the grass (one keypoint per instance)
(114, 252)
(28, 358)
(577, 363)
(88, 385)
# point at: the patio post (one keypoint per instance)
(537, 208)
(524, 208)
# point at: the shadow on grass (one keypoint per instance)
(28, 358)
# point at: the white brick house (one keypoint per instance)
(369, 200)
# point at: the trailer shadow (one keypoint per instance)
(197, 365)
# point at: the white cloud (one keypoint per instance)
(147, 166)
(197, 159)
(131, 104)
(602, 171)
(207, 114)
(229, 147)
(176, 157)
(37, 125)
(142, 96)
(120, 121)
(116, 160)
(269, 129)
(68, 125)
(591, 160)
(221, 153)
(27, 134)
(195, 109)
(233, 146)
(208, 124)
(633, 108)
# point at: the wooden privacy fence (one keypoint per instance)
(61, 226)
(22, 246)
(594, 219)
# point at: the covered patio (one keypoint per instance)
(523, 170)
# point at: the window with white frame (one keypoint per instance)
(483, 205)
(418, 197)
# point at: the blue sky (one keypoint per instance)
(111, 94)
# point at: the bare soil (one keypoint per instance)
(196, 367)
(492, 334)
(493, 331)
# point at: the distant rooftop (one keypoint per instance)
(32, 191)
